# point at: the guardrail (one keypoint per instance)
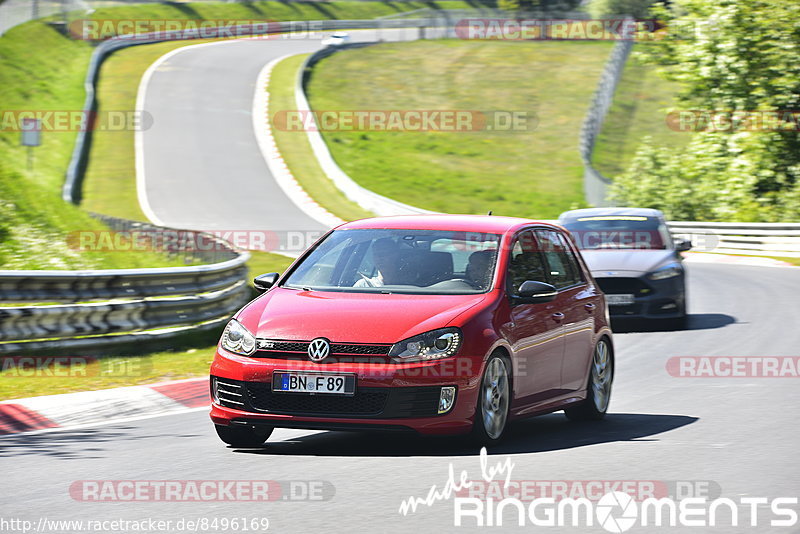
(15, 12)
(137, 303)
(759, 239)
(595, 185)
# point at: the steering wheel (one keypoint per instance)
(366, 279)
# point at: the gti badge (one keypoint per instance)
(319, 349)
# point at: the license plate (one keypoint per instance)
(313, 383)
(620, 300)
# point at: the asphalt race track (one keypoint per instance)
(740, 434)
(737, 436)
(202, 165)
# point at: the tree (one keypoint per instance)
(732, 56)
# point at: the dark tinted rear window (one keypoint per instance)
(619, 231)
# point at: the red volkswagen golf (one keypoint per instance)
(443, 324)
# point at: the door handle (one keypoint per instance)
(589, 307)
(558, 316)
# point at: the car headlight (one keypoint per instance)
(431, 345)
(238, 339)
(669, 271)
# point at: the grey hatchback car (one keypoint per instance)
(634, 259)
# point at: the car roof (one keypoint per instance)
(456, 223)
(596, 212)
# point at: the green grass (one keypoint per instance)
(296, 150)
(41, 69)
(534, 173)
(271, 10)
(266, 262)
(109, 373)
(640, 107)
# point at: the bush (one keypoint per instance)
(717, 177)
(740, 56)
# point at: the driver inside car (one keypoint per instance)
(479, 268)
(386, 258)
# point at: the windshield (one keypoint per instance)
(619, 232)
(399, 261)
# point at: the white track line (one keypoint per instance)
(275, 162)
(262, 131)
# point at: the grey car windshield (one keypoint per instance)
(619, 232)
(399, 261)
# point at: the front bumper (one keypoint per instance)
(387, 396)
(653, 299)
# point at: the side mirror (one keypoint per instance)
(682, 245)
(265, 281)
(531, 292)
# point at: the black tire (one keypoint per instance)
(678, 323)
(598, 394)
(491, 414)
(244, 436)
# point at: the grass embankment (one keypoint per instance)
(641, 103)
(530, 173)
(275, 10)
(23, 382)
(296, 150)
(41, 69)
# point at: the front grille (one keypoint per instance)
(617, 286)
(360, 349)
(288, 346)
(383, 403)
(365, 402)
(340, 352)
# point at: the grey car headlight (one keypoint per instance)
(431, 345)
(238, 339)
(670, 271)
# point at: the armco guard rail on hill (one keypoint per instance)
(770, 239)
(134, 301)
(595, 185)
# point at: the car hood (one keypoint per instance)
(351, 317)
(626, 261)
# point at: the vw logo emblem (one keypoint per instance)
(319, 349)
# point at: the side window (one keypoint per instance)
(575, 266)
(562, 267)
(525, 262)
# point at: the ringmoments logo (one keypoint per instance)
(615, 511)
